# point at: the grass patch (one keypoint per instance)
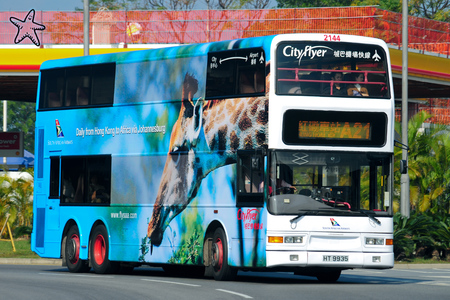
(419, 260)
(23, 249)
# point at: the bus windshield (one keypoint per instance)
(328, 182)
(331, 69)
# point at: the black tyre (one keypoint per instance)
(72, 252)
(189, 271)
(329, 276)
(99, 249)
(219, 257)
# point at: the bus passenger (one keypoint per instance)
(245, 85)
(68, 191)
(259, 79)
(97, 191)
(295, 90)
(357, 89)
(338, 88)
(281, 185)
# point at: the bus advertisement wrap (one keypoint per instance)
(162, 157)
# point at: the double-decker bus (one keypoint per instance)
(271, 153)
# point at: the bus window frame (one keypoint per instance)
(85, 174)
(237, 69)
(55, 177)
(347, 65)
(71, 74)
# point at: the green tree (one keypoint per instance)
(431, 9)
(95, 5)
(391, 5)
(239, 4)
(16, 200)
(312, 3)
(170, 4)
(20, 194)
(428, 163)
(6, 206)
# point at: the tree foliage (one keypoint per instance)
(391, 5)
(312, 3)
(428, 165)
(431, 9)
(423, 235)
(16, 201)
(426, 233)
(95, 5)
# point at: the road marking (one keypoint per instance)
(172, 282)
(437, 283)
(234, 293)
(414, 271)
(77, 275)
(446, 277)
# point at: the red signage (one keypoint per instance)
(11, 144)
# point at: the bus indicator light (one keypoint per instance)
(276, 239)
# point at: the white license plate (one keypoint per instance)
(335, 258)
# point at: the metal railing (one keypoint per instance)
(198, 26)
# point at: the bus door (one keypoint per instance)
(52, 205)
(250, 178)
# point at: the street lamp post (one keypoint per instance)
(404, 180)
(86, 28)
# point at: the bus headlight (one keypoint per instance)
(286, 239)
(374, 241)
(293, 239)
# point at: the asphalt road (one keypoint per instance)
(55, 282)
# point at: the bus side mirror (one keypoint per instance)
(403, 166)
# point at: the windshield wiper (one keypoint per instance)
(371, 216)
(310, 212)
(307, 212)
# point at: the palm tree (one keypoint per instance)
(21, 191)
(6, 206)
(428, 163)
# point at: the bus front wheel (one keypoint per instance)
(329, 276)
(219, 257)
(72, 252)
(99, 250)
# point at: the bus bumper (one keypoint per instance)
(342, 260)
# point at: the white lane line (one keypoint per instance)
(414, 271)
(435, 283)
(172, 282)
(77, 275)
(234, 293)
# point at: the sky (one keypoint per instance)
(53, 5)
(48, 5)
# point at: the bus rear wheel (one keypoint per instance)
(72, 252)
(99, 249)
(219, 257)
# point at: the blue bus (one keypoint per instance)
(271, 153)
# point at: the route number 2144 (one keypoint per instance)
(329, 38)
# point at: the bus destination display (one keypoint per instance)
(334, 130)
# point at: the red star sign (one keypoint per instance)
(26, 28)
